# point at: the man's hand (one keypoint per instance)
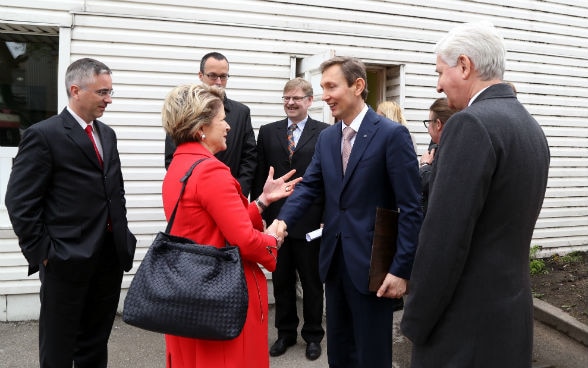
(393, 287)
(282, 227)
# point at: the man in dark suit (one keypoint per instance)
(65, 199)
(240, 155)
(285, 145)
(470, 302)
(356, 173)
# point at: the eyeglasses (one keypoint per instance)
(427, 122)
(104, 92)
(293, 98)
(214, 77)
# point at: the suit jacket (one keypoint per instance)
(59, 199)
(382, 172)
(272, 150)
(241, 153)
(470, 301)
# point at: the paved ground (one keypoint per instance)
(132, 347)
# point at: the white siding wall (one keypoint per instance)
(152, 47)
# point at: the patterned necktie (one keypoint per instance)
(348, 134)
(89, 132)
(291, 142)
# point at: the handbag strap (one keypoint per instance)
(184, 181)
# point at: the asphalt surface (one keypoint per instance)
(132, 347)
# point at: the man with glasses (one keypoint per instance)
(285, 145)
(65, 198)
(240, 155)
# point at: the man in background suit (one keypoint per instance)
(470, 302)
(240, 155)
(382, 171)
(65, 199)
(296, 254)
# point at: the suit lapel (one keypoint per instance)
(365, 134)
(307, 133)
(79, 137)
(106, 143)
(336, 149)
(281, 134)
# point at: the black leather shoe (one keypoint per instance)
(281, 345)
(313, 351)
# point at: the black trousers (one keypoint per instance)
(298, 255)
(79, 299)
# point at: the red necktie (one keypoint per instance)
(89, 132)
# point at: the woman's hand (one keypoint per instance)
(277, 231)
(275, 189)
(427, 157)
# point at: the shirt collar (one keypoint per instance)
(356, 123)
(476, 96)
(300, 125)
(80, 121)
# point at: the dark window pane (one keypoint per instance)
(28, 82)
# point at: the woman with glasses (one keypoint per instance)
(439, 113)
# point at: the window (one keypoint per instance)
(28, 89)
(385, 82)
(28, 78)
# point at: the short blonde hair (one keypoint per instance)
(187, 108)
(392, 111)
(301, 83)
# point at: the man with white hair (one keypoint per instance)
(469, 302)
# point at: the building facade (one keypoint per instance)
(154, 45)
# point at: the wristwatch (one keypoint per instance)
(261, 205)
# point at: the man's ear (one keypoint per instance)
(359, 86)
(465, 65)
(74, 90)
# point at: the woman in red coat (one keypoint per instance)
(213, 211)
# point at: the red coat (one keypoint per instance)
(211, 211)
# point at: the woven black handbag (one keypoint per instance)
(186, 289)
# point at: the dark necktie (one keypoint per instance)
(291, 142)
(89, 132)
(348, 134)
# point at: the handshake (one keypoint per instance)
(278, 230)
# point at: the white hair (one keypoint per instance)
(479, 41)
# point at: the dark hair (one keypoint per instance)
(442, 110)
(352, 69)
(215, 55)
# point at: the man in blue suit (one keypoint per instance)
(374, 166)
